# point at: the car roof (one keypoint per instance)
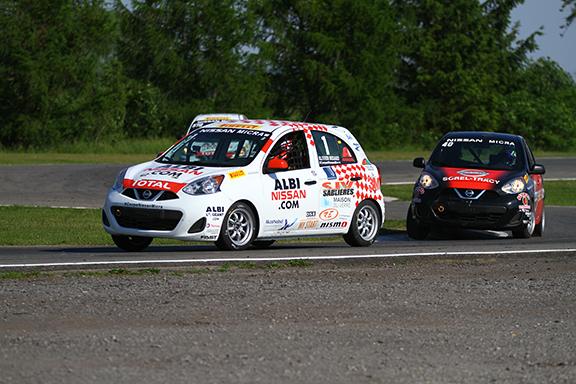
(483, 134)
(273, 125)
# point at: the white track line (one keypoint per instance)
(237, 259)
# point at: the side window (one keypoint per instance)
(292, 148)
(332, 150)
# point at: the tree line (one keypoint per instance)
(395, 72)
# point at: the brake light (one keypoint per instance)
(379, 175)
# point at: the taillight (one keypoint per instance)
(379, 175)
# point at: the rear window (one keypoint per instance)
(332, 150)
(480, 152)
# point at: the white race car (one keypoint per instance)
(243, 183)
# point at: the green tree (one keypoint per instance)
(461, 56)
(58, 81)
(195, 54)
(332, 61)
(541, 106)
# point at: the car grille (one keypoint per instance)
(144, 218)
(149, 194)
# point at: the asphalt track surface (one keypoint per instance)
(86, 186)
(462, 307)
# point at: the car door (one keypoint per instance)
(338, 177)
(291, 192)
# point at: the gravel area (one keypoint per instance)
(472, 320)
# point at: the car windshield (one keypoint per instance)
(480, 152)
(217, 148)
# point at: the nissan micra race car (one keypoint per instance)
(478, 180)
(249, 182)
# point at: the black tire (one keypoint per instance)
(539, 228)
(526, 230)
(238, 228)
(132, 243)
(364, 226)
(415, 229)
(262, 244)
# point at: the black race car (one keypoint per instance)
(478, 180)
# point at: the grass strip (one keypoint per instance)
(27, 226)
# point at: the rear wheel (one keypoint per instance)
(238, 229)
(539, 228)
(132, 243)
(526, 230)
(364, 226)
(415, 229)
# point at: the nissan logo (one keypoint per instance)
(469, 193)
(147, 194)
(472, 173)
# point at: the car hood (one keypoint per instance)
(168, 177)
(471, 178)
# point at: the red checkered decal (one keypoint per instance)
(366, 188)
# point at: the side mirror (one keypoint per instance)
(419, 162)
(276, 164)
(537, 169)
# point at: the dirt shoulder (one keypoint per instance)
(404, 321)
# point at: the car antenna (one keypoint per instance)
(306, 118)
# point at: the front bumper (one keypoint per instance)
(490, 211)
(193, 218)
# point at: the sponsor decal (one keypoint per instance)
(420, 190)
(248, 132)
(337, 188)
(334, 224)
(274, 221)
(239, 126)
(337, 184)
(289, 204)
(310, 213)
(138, 205)
(328, 214)
(337, 192)
(472, 173)
(174, 171)
(210, 237)
(287, 225)
(450, 142)
(237, 174)
(330, 174)
(288, 189)
(524, 198)
(325, 159)
(308, 224)
(215, 211)
(157, 185)
(476, 179)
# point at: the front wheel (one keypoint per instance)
(364, 225)
(415, 229)
(132, 243)
(238, 229)
(526, 230)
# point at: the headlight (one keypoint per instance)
(514, 186)
(426, 181)
(204, 186)
(119, 182)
